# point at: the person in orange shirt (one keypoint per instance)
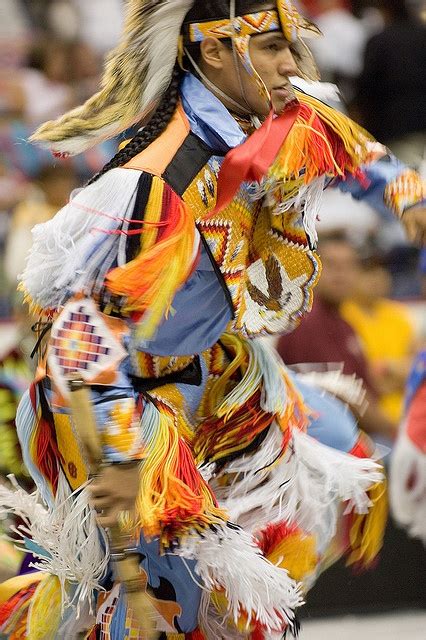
(386, 331)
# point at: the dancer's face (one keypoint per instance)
(273, 61)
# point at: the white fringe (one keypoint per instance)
(228, 559)
(348, 388)
(212, 624)
(74, 251)
(307, 487)
(307, 201)
(274, 391)
(325, 91)
(408, 486)
(68, 533)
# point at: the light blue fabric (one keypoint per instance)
(209, 119)
(334, 424)
(378, 174)
(200, 316)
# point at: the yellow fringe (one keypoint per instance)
(298, 554)
(367, 530)
(162, 491)
(224, 383)
(44, 614)
(298, 151)
(351, 133)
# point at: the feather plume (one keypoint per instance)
(136, 75)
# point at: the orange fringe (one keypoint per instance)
(150, 281)
(366, 530)
(173, 499)
(322, 141)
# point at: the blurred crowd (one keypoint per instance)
(370, 302)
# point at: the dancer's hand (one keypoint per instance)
(414, 221)
(113, 491)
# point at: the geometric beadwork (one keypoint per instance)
(77, 344)
(81, 342)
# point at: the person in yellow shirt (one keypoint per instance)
(386, 332)
(48, 192)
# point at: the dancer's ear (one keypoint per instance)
(214, 54)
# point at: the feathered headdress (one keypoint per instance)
(137, 74)
(139, 70)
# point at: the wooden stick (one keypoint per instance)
(127, 565)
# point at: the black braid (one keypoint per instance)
(151, 131)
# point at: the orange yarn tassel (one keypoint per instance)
(173, 497)
(150, 281)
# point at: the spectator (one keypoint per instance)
(14, 36)
(339, 53)
(392, 87)
(40, 90)
(325, 337)
(386, 332)
(85, 66)
(45, 82)
(100, 22)
(50, 192)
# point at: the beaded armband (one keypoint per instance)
(407, 190)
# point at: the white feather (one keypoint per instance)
(159, 42)
(348, 388)
(70, 542)
(227, 558)
(274, 396)
(307, 487)
(80, 144)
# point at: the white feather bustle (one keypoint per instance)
(71, 545)
(228, 559)
(347, 388)
(408, 486)
(307, 487)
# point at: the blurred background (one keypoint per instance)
(374, 281)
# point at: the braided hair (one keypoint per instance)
(155, 127)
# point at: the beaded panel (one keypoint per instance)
(264, 258)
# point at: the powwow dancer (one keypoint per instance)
(408, 464)
(197, 238)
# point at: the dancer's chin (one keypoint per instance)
(282, 98)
